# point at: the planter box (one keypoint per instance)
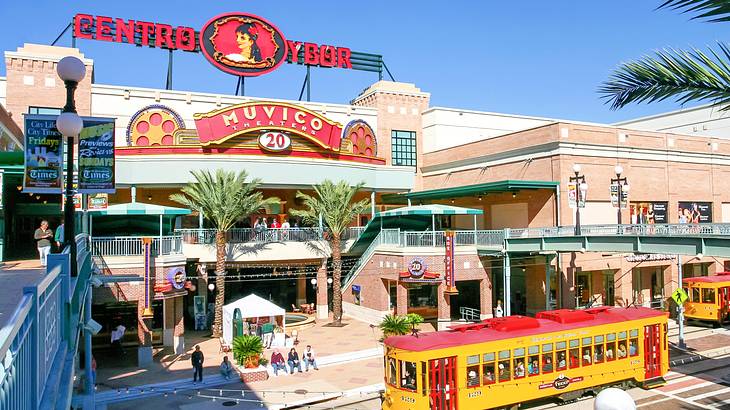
(257, 374)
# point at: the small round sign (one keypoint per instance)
(274, 141)
(417, 267)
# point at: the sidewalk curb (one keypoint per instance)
(694, 357)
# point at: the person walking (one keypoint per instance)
(498, 312)
(58, 238)
(226, 368)
(43, 236)
(197, 359)
(293, 361)
(310, 359)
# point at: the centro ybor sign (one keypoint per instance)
(238, 43)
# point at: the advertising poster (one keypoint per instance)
(96, 157)
(648, 213)
(694, 212)
(78, 198)
(98, 201)
(43, 171)
(572, 195)
(614, 195)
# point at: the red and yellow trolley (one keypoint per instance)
(502, 362)
(709, 298)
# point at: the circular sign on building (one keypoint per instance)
(417, 268)
(153, 125)
(243, 44)
(274, 141)
(177, 277)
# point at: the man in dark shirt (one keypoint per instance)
(197, 359)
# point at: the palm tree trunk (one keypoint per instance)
(336, 279)
(220, 282)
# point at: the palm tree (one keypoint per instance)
(693, 75)
(395, 325)
(224, 198)
(335, 203)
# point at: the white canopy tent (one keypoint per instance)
(249, 307)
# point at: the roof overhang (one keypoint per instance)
(481, 189)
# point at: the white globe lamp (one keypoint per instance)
(313, 281)
(71, 68)
(576, 168)
(69, 124)
(619, 170)
(211, 287)
(613, 399)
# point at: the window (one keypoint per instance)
(708, 295)
(519, 360)
(533, 361)
(403, 146)
(598, 350)
(634, 342)
(610, 346)
(472, 371)
(574, 354)
(695, 295)
(44, 110)
(423, 378)
(392, 372)
(488, 369)
(408, 375)
(587, 356)
(504, 366)
(547, 358)
(560, 357)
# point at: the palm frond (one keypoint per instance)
(224, 197)
(334, 201)
(684, 75)
(713, 11)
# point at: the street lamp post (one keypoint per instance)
(581, 188)
(69, 124)
(623, 186)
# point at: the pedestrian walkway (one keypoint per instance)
(14, 276)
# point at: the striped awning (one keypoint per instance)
(432, 209)
(139, 208)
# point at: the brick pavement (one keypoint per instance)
(114, 372)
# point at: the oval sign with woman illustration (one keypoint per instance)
(243, 44)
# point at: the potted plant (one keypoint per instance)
(393, 325)
(247, 350)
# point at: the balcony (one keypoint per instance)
(133, 245)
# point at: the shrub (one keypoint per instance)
(393, 325)
(246, 348)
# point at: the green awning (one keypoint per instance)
(481, 189)
(433, 209)
(139, 208)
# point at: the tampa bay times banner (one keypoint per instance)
(43, 155)
(96, 156)
(44, 160)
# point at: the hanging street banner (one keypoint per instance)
(43, 172)
(572, 195)
(614, 195)
(96, 156)
(449, 263)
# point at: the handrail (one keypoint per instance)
(133, 246)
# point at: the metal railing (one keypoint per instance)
(469, 314)
(714, 229)
(133, 245)
(245, 235)
(39, 343)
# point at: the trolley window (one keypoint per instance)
(408, 375)
(472, 374)
(598, 353)
(560, 356)
(504, 368)
(424, 376)
(695, 295)
(633, 346)
(621, 352)
(610, 346)
(574, 354)
(472, 359)
(622, 335)
(488, 369)
(587, 357)
(547, 358)
(708, 295)
(519, 362)
(392, 372)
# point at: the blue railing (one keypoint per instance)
(38, 346)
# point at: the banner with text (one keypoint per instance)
(694, 212)
(96, 157)
(649, 213)
(43, 171)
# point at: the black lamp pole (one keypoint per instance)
(620, 182)
(579, 180)
(69, 209)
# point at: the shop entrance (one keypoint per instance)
(423, 299)
(468, 297)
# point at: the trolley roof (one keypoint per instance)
(518, 326)
(720, 277)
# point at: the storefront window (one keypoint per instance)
(657, 288)
(408, 375)
(583, 289)
(422, 299)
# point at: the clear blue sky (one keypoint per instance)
(542, 58)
